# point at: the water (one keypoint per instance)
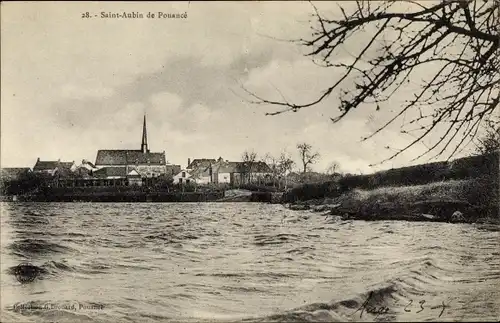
(251, 262)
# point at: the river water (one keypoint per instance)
(120, 262)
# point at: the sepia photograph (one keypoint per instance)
(250, 161)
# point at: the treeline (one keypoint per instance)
(26, 184)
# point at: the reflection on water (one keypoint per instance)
(242, 261)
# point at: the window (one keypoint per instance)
(183, 174)
(180, 180)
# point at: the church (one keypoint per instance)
(145, 163)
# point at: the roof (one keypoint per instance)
(229, 167)
(129, 157)
(88, 163)
(261, 167)
(200, 172)
(50, 165)
(173, 169)
(201, 162)
(11, 173)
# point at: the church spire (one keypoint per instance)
(144, 145)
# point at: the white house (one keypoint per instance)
(184, 177)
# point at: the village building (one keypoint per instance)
(122, 167)
(85, 169)
(172, 170)
(199, 175)
(220, 171)
(147, 164)
(184, 177)
(53, 168)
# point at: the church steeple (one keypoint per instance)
(144, 145)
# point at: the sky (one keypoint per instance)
(73, 85)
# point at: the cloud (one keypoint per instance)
(72, 91)
(72, 86)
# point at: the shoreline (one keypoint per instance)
(141, 197)
(464, 190)
(446, 201)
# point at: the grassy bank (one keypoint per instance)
(423, 192)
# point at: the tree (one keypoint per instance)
(164, 182)
(280, 167)
(490, 142)
(273, 164)
(307, 157)
(333, 168)
(249, 159)
(459, 40)
(286, 164)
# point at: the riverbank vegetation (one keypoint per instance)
(424, 192)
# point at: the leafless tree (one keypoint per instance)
(307, 157)
(280, 166)
(249, 159)
(490, 142)
(273, 164)
(461, 38)
(286, 164)
(332, 168)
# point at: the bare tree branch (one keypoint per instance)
(458, 39)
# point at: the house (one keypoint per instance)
(236, 173)
(184, 177)
(54, 167)
(223, 171)
(201, 170)
(202, 175)
(144, 162)
(261, 170)
(9, 174)
(226, 172)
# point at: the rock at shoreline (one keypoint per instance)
(428, 216)
(299, 207)
(457, 216)
(324, 208)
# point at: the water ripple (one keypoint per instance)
(241, 262)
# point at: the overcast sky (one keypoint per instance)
(71, 86)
